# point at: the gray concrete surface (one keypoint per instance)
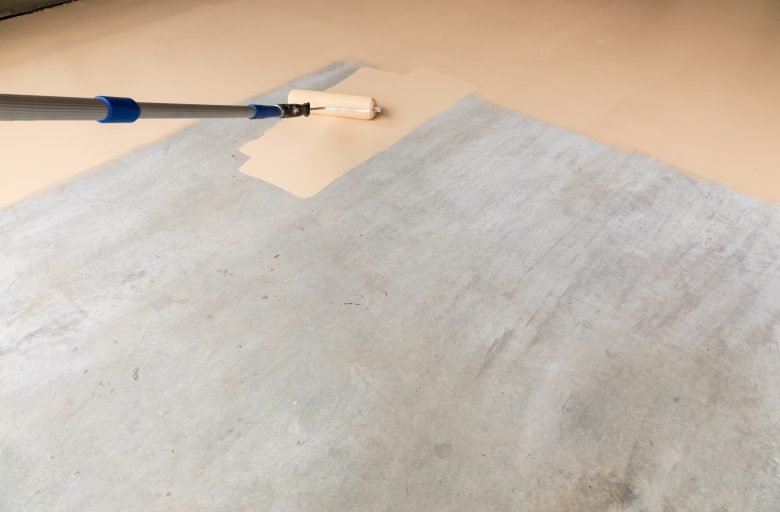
(14, 7)
(494, 314)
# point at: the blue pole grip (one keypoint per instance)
(120, 110)
(266, 111)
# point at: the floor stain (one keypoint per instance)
(590, 492)
(442, 450)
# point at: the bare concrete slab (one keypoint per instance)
(494, 314)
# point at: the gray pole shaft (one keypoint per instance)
(19, 107)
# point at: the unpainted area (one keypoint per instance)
(493, 314)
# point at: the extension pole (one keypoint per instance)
(111, 109)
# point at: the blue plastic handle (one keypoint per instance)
(120, 110)
(266, 111)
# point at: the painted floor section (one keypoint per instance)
(493, 314)
(692, 82)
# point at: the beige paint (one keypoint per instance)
(302, 156)
(693, 82)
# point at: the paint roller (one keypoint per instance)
(113, 109)
(337, 105)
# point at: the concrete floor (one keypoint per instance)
(494, 314)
